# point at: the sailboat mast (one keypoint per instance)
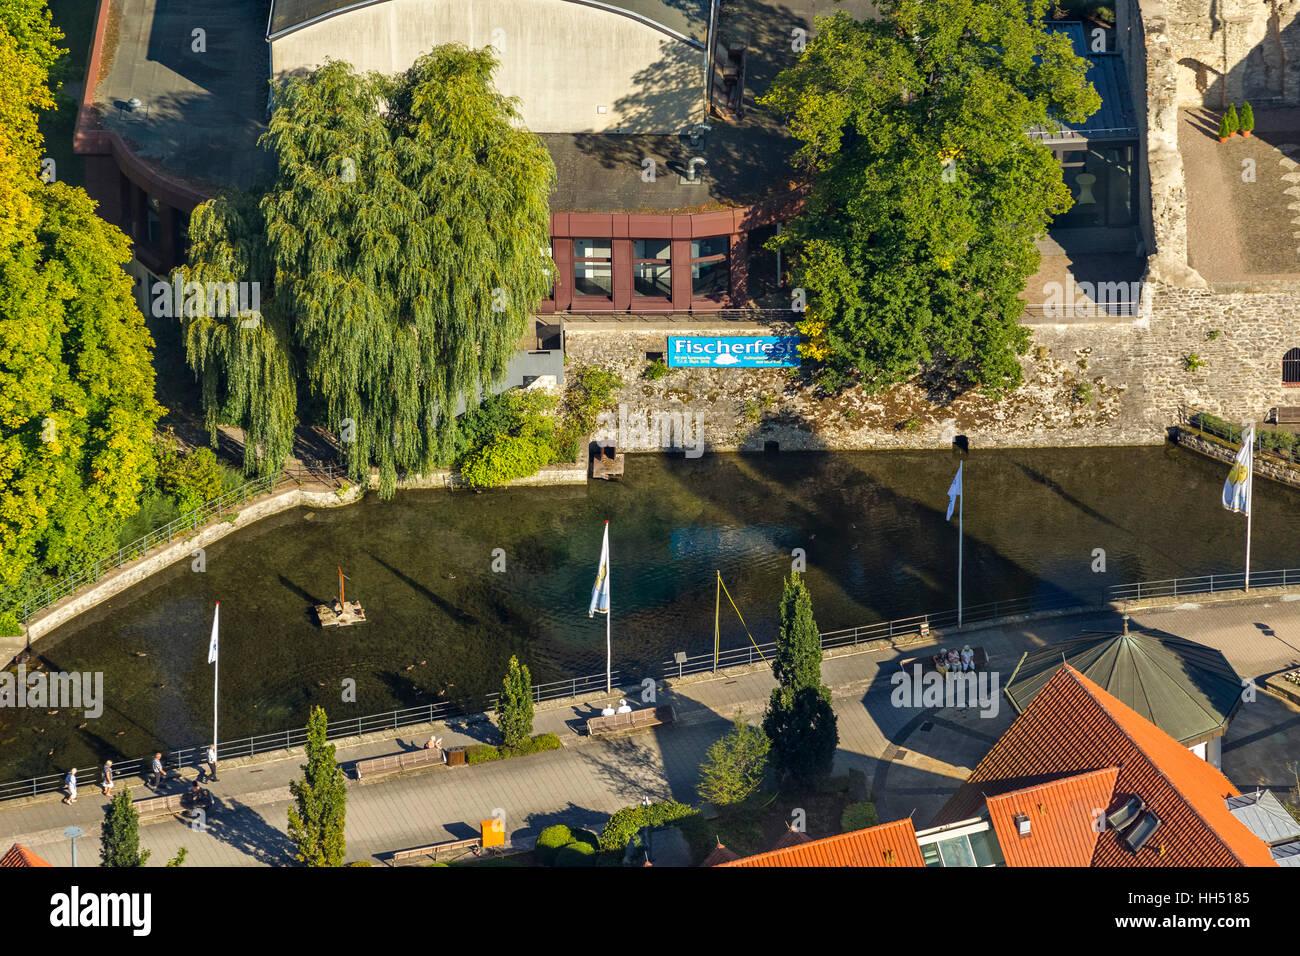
(341, 601)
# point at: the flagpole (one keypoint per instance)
(609, 612)
(961, 534)
(1250, 500)
(216, 666)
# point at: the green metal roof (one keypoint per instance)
(1186, 689)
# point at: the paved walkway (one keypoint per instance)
(915, 759)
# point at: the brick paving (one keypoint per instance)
(913, 758)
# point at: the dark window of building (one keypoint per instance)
(1101, 181)
(153, 232)
(1291, 367)
(592, 270)
(763, 264)
(652, 271)
(710, 270)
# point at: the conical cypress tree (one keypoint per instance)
(798, 660)
(515, 713)
(1234, 124)
(317, 820)
(120, 837)
(1225, 128)
(1247, 117)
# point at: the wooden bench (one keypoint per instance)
(171, 804)
(979, 657)
(647, 717)
(398, 763)
(434, 849)
(1287, 415)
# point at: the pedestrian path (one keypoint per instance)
(915, 758)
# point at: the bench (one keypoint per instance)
(1287, 415)
(434, 849)
(647, 717)
(172, 804)
(980, 658)
(398, 763)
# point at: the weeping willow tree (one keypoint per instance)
(401, 250)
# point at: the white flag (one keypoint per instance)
(954, 490)
(1236, 490)
(600, 591)
(212, 645)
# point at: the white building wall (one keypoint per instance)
(563, 60)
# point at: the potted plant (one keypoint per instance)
(1225, 128)
(1234, 124)
(1247, 118)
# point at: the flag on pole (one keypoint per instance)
(954, 491)
(212, 645)
(1236, 490)
(600, 591)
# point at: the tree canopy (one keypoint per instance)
(928, 193)
(400, 251)
(77, 409)
(318, 816)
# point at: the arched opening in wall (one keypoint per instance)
(1205, 79)
(1291, 368)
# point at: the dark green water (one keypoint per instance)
(872, 525)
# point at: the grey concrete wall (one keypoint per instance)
(563, 60)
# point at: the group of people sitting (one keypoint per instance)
(353, 606)
(623, 708)
(951, 659)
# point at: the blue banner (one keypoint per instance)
(733, 351)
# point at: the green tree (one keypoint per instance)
(399, 254)
(317, 820)
(37, 39)
(77, 408)
(179, 858)
(928, 195)
(515, 712)
(1234, 122)
(120, 836)
(799, 720)
(735, 764)
(1247, 122)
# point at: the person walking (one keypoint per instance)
(70, 782)
(156, 771)
(212, 762)
(106, 778)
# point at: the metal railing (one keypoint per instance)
(1271, 444)
(173, 529)
(194, 756)
(922, 624)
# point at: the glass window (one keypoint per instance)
(956, 852)
(592, 270)
(652, 268)
(154, 221)
(710, 269)
(1291, 367)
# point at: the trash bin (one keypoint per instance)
(456, 757)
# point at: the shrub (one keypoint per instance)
(1192, 362)
(656, 370)
(191, 479)
(550, 841)
(858, 816)
(538, 744)
(1083, 393)
(1225, 128)
(1247, 117)
(576, 854)
(482, 753)
(509, 436)
(1234, 124)
(582, 835)
(735, 765)
(624, 824)
(589, 390)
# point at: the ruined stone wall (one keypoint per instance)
(1233, 50)
(1087, 383)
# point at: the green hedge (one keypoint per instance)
(576, 854)
(482, 753)
(858, 816)
(1279, 443)
(550, 841)
(624, 824)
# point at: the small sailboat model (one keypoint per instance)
(342, 612)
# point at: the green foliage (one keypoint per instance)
(191, 479)
(804, 733)
(1282, 444)
(119, 839)
(549, 842)
(318, 816)
(1225, 127)
(734, 767)
(179, 858)
(656, 370)
(1083, 393)
(1212, 334)
(797, 662)
(624, 824)
(576, 854)
(589, 390)
(906, 266)
(482, 753)
(858, 816)
(1234, 123)
(525, 443)
(77, 407)
(1192, 362)
(1247, 120)
(398, 255)
(515, 710)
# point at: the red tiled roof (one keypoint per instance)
(718, 855)
(1073, 726)
(1061, 817)
(889, 844)
(19, 855)
(791, 837)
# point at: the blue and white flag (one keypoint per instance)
(600, 591)
(212, 645)
(1236, 490)
(954, 492)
